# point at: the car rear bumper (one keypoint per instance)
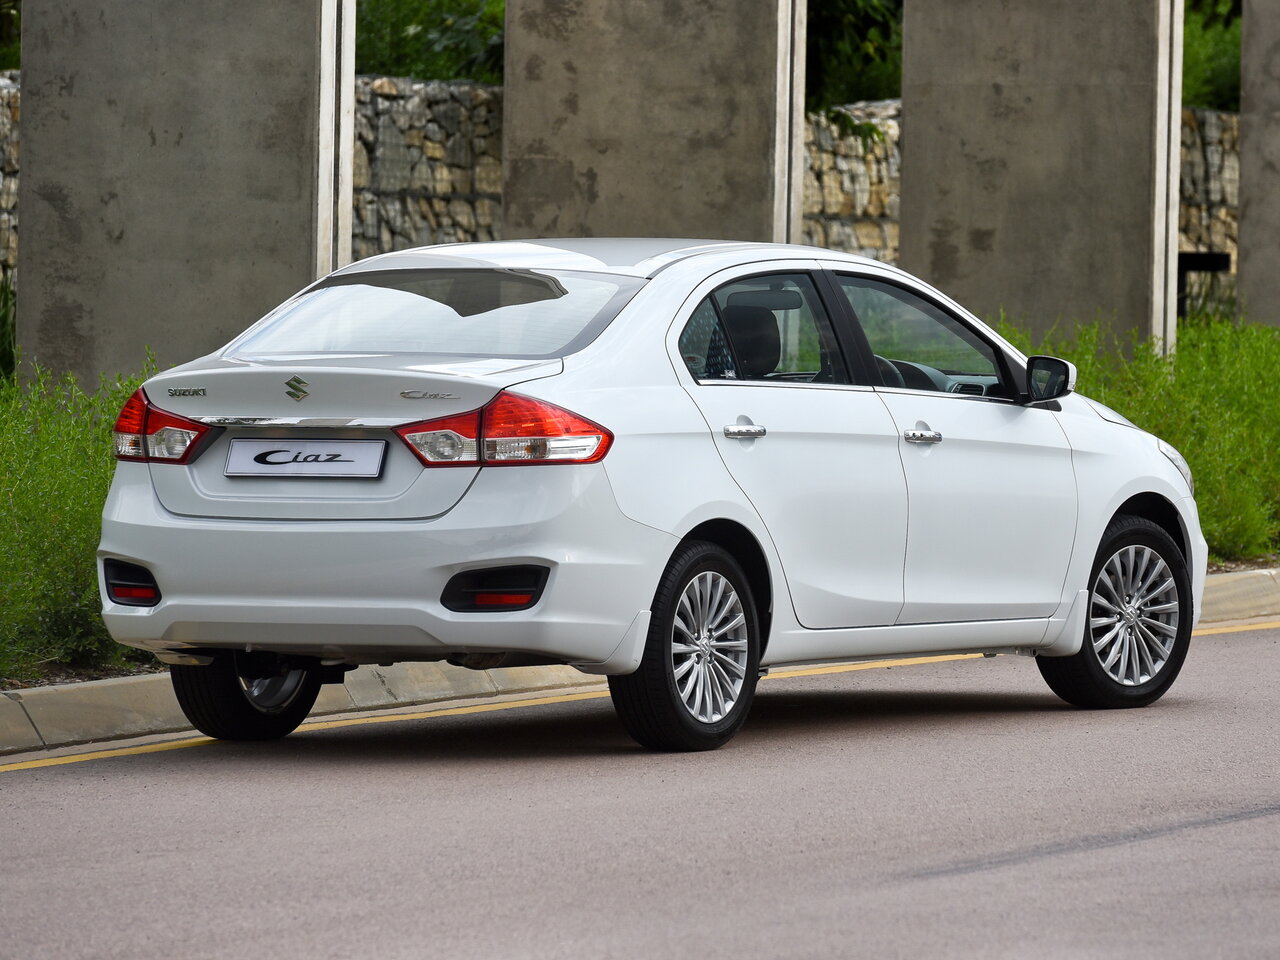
(369, 591)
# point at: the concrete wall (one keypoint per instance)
(177, 183)
(1039, 169)
(652, 118)
(1259, 282)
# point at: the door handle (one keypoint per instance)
(743, 431)
(922, 436)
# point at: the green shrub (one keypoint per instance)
(1214, 400)
(55, 468)
(8, 328)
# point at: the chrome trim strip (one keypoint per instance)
(788, 385)
(302, 421)
(907, 391)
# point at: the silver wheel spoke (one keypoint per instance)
(1158, 625)
(708, 646)
(1135, 614)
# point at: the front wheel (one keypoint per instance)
(1139, 626)
(701, 661)
(244, 696)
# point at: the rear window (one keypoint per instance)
(532, 314)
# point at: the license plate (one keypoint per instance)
(306, 458)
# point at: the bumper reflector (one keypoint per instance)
(129, 584)
(495, 589)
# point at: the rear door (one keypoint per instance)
(990, 482)
(805, 437)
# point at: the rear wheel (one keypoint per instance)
(1139, 626)
(246, 696)
(702, 656)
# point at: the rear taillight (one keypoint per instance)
(512, 429)
(146, 433)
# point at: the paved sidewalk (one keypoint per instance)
(58, 716)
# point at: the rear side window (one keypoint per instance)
(531, 314)
(769, 327)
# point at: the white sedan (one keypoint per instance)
(675, 463)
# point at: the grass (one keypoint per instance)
(1214, 401)
(55, 468)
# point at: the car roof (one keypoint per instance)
(632, 256)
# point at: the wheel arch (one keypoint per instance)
(1157, 509)
(746, 549)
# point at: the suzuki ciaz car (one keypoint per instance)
(674, 463)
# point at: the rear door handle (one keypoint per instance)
(744, 431)
(922, 436)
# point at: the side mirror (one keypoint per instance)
(1049, 378)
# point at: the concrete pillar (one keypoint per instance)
(1258, 267)
(185, 167)
(1040, 158)
(652, 118)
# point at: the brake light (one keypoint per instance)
(145, 433)
(511, 429)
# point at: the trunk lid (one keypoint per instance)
(314, 407)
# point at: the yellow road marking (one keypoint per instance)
(533, 702)
(1238, 628)
(869, 665)
(103, 754)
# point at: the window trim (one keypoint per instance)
(1011, 372)
(815, 276)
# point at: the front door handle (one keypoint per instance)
(922, 436)
(743, 431)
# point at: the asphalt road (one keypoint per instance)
(943, 810)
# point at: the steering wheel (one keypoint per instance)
(890, 374)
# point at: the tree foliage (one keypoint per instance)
(431, 39)
(854, 52)
(1211, 54)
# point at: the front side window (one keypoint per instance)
(919, 346)
(771, 328)
(532, 314)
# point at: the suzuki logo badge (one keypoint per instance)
(295, 385)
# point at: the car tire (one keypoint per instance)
(235, 698)
(701, 660)
(1138, 626)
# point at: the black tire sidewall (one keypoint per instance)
(217, 705)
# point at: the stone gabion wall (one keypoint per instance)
(1208, 215)
(9, 174)
(852, 179)
(428, 164)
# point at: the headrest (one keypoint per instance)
(753, 331)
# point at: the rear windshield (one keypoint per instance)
(534, 314)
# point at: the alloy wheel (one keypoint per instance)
(1133, 616)
(709, 647)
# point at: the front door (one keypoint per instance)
(990, 482)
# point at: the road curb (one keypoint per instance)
(97, 710)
